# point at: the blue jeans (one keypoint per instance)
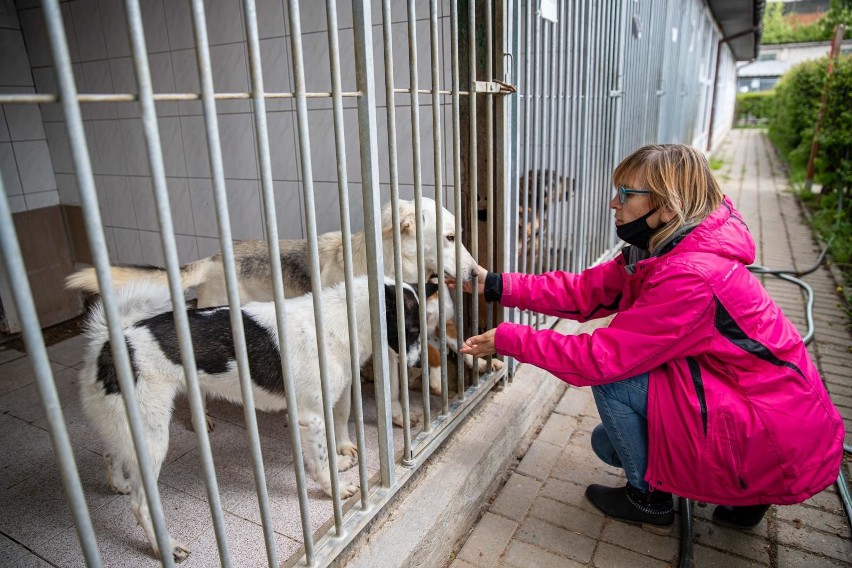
(621, 440)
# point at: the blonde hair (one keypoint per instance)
(678, 177)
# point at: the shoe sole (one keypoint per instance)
(662, 530)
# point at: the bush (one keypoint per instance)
(778, 28)
(754, 108)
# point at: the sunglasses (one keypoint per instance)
(623, 192)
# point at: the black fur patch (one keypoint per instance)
(213, 345)
(411, 313)
(107, 374)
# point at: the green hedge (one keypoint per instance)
(754, 108)
(791, 129)
(795, 111)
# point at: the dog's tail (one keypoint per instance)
(136, 301)
(191, 275)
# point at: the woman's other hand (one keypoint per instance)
(481, 273)
(480, 345)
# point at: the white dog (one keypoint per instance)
(254, 274)
(150, 336)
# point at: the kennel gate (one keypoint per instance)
(317, 549)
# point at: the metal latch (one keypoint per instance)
(496, 86)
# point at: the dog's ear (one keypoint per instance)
(390, 298)
(432, 289)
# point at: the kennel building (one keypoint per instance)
(159, 131)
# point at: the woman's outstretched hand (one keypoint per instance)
(468, 286)
(480, 345)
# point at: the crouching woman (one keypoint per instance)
(705, 389)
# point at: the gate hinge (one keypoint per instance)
(496, 86)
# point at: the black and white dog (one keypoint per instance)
(149, 332)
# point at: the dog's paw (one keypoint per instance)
(399, 421)
(121, 487)
(347, 490)
(496, 365)
(346, 462)
(179, 551)
(211, 423)
(348, 449)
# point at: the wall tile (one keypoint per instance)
(88, 28)
(277, 69)
(103, 206)
(9, 170)
(154, 22)
(179, 24)
(244, 208)
(224, 21)
(238, 146)
(35, 34)
(270, 18)
(282, 145)
(128, 248)
(119, 201)
(70, 33)
(181, 206)
(41, 199)
(141, 194)
(34, 166)
(195, 146)
(152, 248)
(9, 14)
(172, 144)
(14, 64)
(135, 153)
(92, 145)
(69, 194)
(110, 147)
(24, 122)
(203, 207)
(60, 150)
(187, 248)
(207, 247)
(114, 22)
(288, 209)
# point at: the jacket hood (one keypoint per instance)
(724, 233)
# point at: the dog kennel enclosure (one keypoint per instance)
(158, 132)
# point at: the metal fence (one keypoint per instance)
(531, 103)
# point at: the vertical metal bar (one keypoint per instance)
(390, 101)
(94, 232)
(31, 331)
(526, 170)
(372, 219)
(346, 234)
(513, 208)
(418, 205)
(547, 147)
(473, 174)
(489, 161)
(262, 134)
(457, 190)
(313, 249)
(537, 149)
(439, 206)
(562, 177)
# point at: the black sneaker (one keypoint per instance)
(653, 510)
(744, 518)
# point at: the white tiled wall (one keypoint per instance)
(25, 161)
(100, 51)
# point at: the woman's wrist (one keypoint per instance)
(493, 287)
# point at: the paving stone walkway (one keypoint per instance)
(540, 517)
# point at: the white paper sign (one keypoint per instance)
(547, 9)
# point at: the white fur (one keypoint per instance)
(159, 381)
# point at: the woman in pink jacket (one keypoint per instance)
(705, 389)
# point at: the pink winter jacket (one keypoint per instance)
(737, 413)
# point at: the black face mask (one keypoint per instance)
(637, 232)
